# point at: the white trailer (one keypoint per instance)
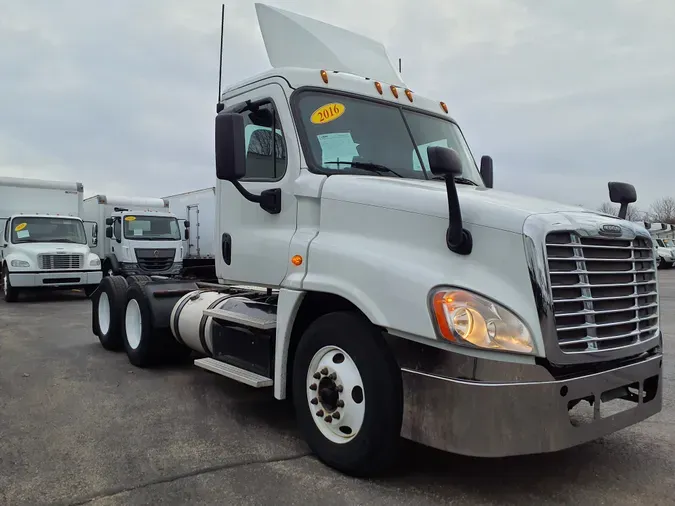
(197, 209)
(44, 243)
(391, 290)
(142, 236)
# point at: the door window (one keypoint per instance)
(265, 146)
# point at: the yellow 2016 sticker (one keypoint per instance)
(327, 113)
(130, 218)
(20, 227)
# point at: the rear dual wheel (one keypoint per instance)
(347, 393)
(145, 344)
(108, 303)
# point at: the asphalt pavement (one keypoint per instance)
(80, 425)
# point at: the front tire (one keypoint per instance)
(347, 392)
(10, 294)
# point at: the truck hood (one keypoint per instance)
(54, 248)
(480, 206)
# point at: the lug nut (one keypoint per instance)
(317, 376)
(313, 386)
(324, 371)
(328, 419)
(340, 404)
(319, 413)
(315, 401)
(332, 376)
(336, 415)
(340, 388)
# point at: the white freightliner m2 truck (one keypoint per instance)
(368, 271)
(141, 237)
(43, 243)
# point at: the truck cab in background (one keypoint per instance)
(140, 235)
(43, 243)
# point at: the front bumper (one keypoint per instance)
(47, 279)
(492, 419)
(130, 269)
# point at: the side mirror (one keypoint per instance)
(108, 221)
(108, 232)
(624, 194)
(486, 170)
(230, 147)
(187, 224)
(187, 234)
(445, 162)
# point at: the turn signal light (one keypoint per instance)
(296, 260)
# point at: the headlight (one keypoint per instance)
(96, 262)
(20, 263)
(469, 319)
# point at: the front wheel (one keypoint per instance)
(10, 293)
(347, 393)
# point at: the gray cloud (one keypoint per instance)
(564, 95)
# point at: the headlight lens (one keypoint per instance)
(96, 262)
(469, 319)
(20, 263)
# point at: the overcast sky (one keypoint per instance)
(565, 95)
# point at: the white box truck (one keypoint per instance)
(369, 271)
(197, 210)
(142, 236)
(44, 243)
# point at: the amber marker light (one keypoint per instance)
(378, 87)
(394, 91)
(408, 94)
(296, 260)
(324, 76)
(444, 107)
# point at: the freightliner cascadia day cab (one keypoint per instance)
(43, 243)
(197, 209)
(141, 236)
(368, 270)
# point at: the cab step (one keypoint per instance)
(267, 323)
(235, 373)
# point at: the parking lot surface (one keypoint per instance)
(79, 425)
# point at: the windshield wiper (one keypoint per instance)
(460, 180)
(373, 167)
(61, 240)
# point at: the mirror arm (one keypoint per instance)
(457, 238)
(269, 200)
(623, 210)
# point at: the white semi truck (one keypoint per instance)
(43, 243)
(368, 271)
(142, 236)
(197, 210)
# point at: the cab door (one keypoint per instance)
(254, 243)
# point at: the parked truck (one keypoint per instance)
(368, 270)
(142, 236)
(43, 243)
(197, 210)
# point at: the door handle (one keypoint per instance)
(226, 248)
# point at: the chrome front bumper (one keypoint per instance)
(487, 418)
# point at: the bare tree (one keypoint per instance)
(663, 210)
(632, 214)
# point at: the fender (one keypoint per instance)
(114, 263)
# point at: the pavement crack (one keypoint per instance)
(168, 479)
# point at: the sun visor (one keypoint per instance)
(292, 40)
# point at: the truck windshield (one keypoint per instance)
(151, 228)
(47, 229)
(355, 135)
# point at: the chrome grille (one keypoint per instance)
(604, 291)
(59, 262)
